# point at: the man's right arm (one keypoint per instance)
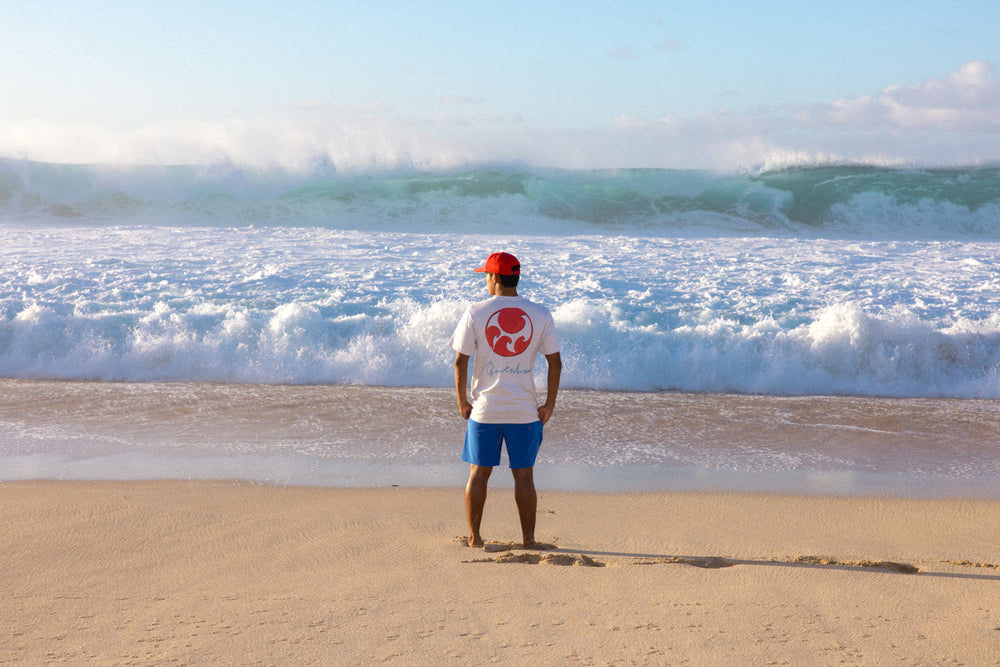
(554, 362)
(462, 384)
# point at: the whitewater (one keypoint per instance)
(837, 280)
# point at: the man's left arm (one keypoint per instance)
(554, 362)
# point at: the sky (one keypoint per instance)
(374, 85)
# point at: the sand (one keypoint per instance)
(234, 573)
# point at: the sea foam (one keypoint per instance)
(308, 305)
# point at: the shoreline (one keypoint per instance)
(364, 436)
(149, 572)
(556, 479)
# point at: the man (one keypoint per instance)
(505, 333)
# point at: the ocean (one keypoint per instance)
(853, 283)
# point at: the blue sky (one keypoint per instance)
(442, 84)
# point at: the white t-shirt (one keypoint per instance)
(504, 335)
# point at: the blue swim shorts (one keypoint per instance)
(483, 441)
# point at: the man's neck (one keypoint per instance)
(505, 291)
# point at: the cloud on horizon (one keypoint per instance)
(938, 122)
(967, 100)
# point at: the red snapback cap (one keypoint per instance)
(502, 264)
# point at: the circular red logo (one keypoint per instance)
(508, 331)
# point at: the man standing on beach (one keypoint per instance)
(505, 333)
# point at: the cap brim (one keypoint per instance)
(481, 269)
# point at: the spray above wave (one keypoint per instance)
(817, 202)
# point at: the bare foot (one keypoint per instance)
(474, 541)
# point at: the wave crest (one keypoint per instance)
(829, 201)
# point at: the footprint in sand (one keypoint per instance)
(710, 563)
(511, 552)
(535, 559)
(969, 563)
(715, 563)
(495, 547)
(902, 568)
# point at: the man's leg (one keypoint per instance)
(475, 501)
(527, 502)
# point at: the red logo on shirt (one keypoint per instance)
(508, 331)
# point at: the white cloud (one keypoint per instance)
(972, 85)
(967, 99)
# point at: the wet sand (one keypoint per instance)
(598, 441)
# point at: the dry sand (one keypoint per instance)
(233, 573)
